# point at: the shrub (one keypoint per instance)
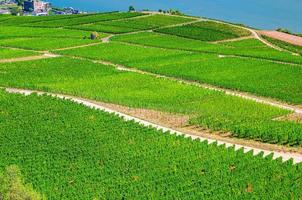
(94, 35)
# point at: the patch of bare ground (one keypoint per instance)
(27, 58)
(295, 117)
(79, 46)
(233, 40)
(181, 123)
(292, 39)
(162, 118)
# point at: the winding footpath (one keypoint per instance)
(296, 157)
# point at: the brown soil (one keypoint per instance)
(80, 46)
(292, 39)
(157, 117)
(234, 40)
(295, 117)
(28, 58)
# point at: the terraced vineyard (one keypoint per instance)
(77, 153)
(206, 31)
(200, 77)
(83, 20)
(135, 24)
(245, 119)
(13, 32)
(204, 68)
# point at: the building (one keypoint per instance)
(4, 11)
(36, 6)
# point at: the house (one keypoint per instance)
(4, 11)
(36, 6)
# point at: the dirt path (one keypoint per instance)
(214, 53)
(143, 116)
(28, 58)
(181, 24)
(106, 39)
(79, 46)
(114, 20)
(244, 95)
(253, 32)
(233, 40)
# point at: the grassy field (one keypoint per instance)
(149, 22)
(207, 31)
(68, 151)
(106, 28)
(247, 48)
(15, 53)
(44, 43)
(13, 32)
(84, 19)
(109, 158)
(20, 20)
(209, 109)
(259, 77)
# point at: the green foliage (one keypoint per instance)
(12, 186)
(88, 19)
(73, 152)
(94, 36)
(259, 77)
(20, 2)
(15, 53)
(13, 32)
(250, 48)
(16, 11)
(104, 28)
(44, 43)
(211, 109)
(149, 22)
(20, 20)
(207, 31)
(131, 9)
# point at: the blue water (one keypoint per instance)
(262, 14)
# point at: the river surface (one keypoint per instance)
(262, 14)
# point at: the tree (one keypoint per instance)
(20, 2)
(94, 35)
(16, 10)
(131, 9)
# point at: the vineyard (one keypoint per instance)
(14, 53)
(13, 32)
(250, 48)
(206, 31)
(81, 20)
(72, 153)
(204, 68)
(284, 45)
(210, 109)
(200, 77)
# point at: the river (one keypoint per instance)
(262, 14)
